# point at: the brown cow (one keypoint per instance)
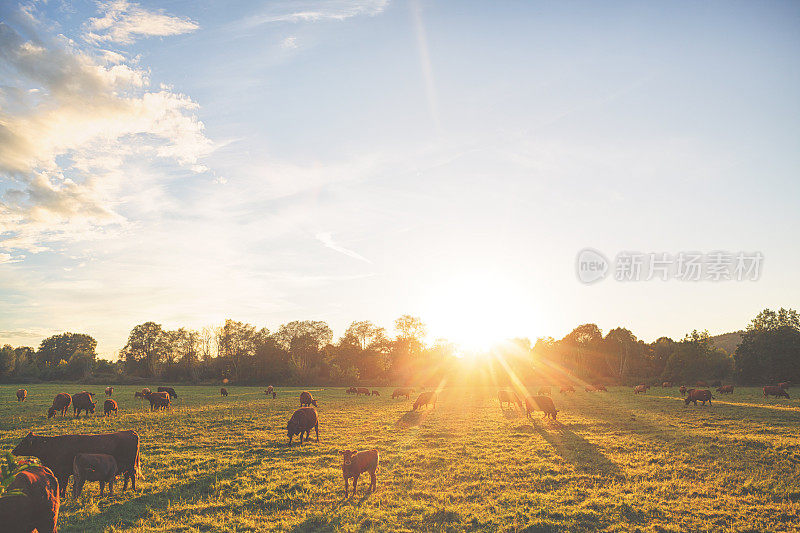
(362, 390)
(566, 388)
(544, 390)
(402, 392)
(376, 393)
(269, 390)
(21, 395)
(159, 401)
(356, 463)
(725, 389)
(508, 397)
(698, 395)
(83, 402)
(683, 390)
(58, 453)
(144, 394)
(109, 391)
(540, 403)
(170, 391)
(303, 421)
(60, 404)
(666, 384)
(108, 406)
(600, 387)
(352, 390)
(590, 388)
(784, 385)
(36, 509)
(94, 467)
(426, 398)
(640, 389)
(701, 383)
(773, 390)
(223, 391)
(306, 400)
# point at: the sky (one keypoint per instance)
(187, 162)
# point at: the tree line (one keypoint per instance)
(304, 352)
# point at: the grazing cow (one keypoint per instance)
(138, 394)
(600, 387)
(640, 389)
(683, 390)
(108, 406)
(666, 384)
(567, 388)
(94, 467)
(426, 398)
(352, 390)
(223, 391)
(60, 404)
(303, 421)
(402, 392)
(269, 390)
(83, 402)
(590, 388)
(773, 390)
(362, 390)
(725, 389)
(701, 383)
(356, 463)
(109, 391)
(544, 390)
(58, 453)
(306, 400)
(36, 509)
(508, 397)
(698, 395)
(540, 403)
(21, 395)
(170, 391)
(784, 385)
(376, 393)
(159, 401)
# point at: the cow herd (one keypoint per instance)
(695, 395)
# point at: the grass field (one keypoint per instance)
(614, 461)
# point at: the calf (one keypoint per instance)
(306, 400)
(402, 392)
(352, 390)
(600, 387)
(94, 467)
(356, 463)
(60, 404)
(426, 398)
(21, 395)
(540, 403)
(566, 388)
(269, 390)
(362, 390)
(683, 390)
(83, 402)
(109, 406)
(58, 453)
(158, 401)
(544, 390)
(36, 508)
(698, 395)
(223, 391)
(508, 397)
(666, 384)
(725, 389)
(773, 390)
(170, 391)
(109, 391)
(303, 421)
(640, 389)
(376, 393)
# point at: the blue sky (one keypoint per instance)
(340, 161)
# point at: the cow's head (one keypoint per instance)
(347, 457)
(91, 407)
(314, 403)
(27, 446)
(51, 412)
(292, 428)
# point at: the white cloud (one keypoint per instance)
(317, 10)
(289, 42)
(124, 22)
(326, 238)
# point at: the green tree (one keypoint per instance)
(770, 348)
(148, 345)
(57, 348)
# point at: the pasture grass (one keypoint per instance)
(613, 462)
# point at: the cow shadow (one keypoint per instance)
(409, 419)
(511, 414)
(583, 454)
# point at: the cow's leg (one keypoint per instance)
(301, 437)
(316, 428)
(355, 482)
(111, 486)
(63, 480)
(102, 487)
(373, 483)
(77, 487)
(345, 489)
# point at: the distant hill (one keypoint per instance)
(727, 341)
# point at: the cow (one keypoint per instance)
(402, 392)
(508, 397)
(540, 403)
(306, 400)
(640, 389)
(725, 389)
(773, 390)
(269, 390)
(362, 390)
(274, 395)
(159, 401)
(544, 390)
(94, 467)
(590, 388)
(666, 385)
(60, 404)
(784, 385)
(170, 391)
(144, 394)
(58, 453)
(698, 395)
(376, 393)
(566, 388)
(596, 388)
(109, 391)
(352, 390)
(426, 398)
(83, 402)
(223, 391)
(355, 463)
(108, 406)
(21, 395)
(303, 421)
(35, 503)
(701, 383)
(683, 390)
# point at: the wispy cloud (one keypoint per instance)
(317, 10)
(326, 238)
(124, 22)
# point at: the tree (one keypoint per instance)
(147, 346)
(770, 348)
(57, 348)
(304, 340)
(6, 361)
(695, 357)
(237, 343)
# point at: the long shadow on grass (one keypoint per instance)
(411, 418)
(583, 454)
